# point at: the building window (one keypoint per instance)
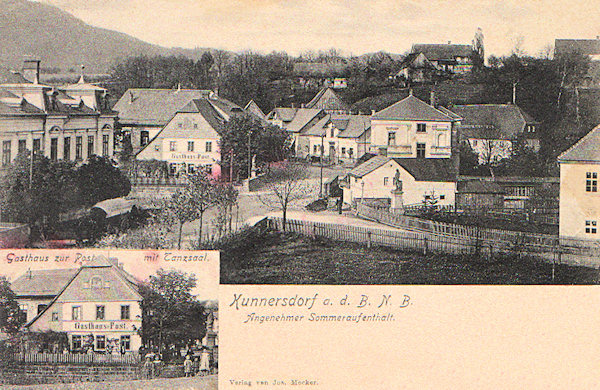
(172, 146)
(386, 181)
(53, 149)
(391, 138)
(195, 125)
(421, 127)
(22, 146)
(591, 182)
(590, 227)
(100, 311)
(67, 149)
(125, 343)
(474, 143)
(105, 139)
(100, 343)
(530, 129)
(420, 150)
(41, 308)
(6, 153)
(190, 146)
(332, 132)
(76, 313)
(180, 125)
(442, 197)
(350, 152)
(208, 146)
(90, 148)
(343, 151)
(96, 282)
(23, 312)
(37, 145)
(144, 138)
(54, 316)
(76, 343)
(125, 313)
(78, 148)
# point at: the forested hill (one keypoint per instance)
(63, 41)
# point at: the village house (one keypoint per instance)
(329, 101)
(579, 202)
(144, 112)
(415, 67)
(190, 140)
(412, 128)
(450, 58)
(254, 109)
(492, 130)
(70, 123)
(419, 179)
(296, 121)
(337, 137)
(97, 306)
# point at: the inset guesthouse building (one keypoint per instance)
(98, 308)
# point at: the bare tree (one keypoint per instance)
(286, 186)
(203, 192)
(182, 207)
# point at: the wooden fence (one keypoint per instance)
(431, 242)
(77, 358)
(158, 181)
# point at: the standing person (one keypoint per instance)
(205, 362)
(187, 366)
(148, 368)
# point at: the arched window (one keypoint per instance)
(55, 129)
(441, 141)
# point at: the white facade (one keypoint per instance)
(579, 200)
(403, 138)
(380, 182)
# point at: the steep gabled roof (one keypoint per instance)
(154, 106)
(413, 109)
(254, 109)
(435, 52)
(303, 117)
(327, 99)
(429, 169)
(507, 119)
(42, 282)
(587, 149)
(285, 114)
(356, 126)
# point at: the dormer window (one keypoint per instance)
(530, 128)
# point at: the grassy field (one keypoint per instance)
(276, 258)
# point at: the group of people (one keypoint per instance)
(192, 364)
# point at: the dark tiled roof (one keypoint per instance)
(587, 149)
(508, 119)
(429, 169)
(154, 106)
(254, 109)
(582, 46)
(413, 109)
(327, 99)
(350, 126)
(42, 282)
(284, 113)
(357, 125)
(435, 52)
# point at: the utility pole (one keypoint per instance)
(31, 168)
(231, 167)
(249, 155)
(321, 161)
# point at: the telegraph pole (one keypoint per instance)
(249, 155)
(321, 161)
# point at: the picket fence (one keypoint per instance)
(77, 358)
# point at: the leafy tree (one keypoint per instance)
(226, 197)
(11, 319)
(182, 208)
(203, 194)
(286, 186)
(171, 316)
(98, 179)
(268, 144)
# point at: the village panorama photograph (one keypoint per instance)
(314, 142)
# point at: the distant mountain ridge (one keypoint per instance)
(61, 40)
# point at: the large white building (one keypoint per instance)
(97, 306)
(69, 123)
(579, 196)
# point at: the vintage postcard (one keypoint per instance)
(394, 193)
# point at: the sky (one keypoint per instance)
(354, 26)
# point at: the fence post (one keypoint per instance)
(425, 245)
(553, 266)
(369, 239)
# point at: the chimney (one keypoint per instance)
(432, 98)
(31, 70)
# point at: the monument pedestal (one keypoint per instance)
(397, 204)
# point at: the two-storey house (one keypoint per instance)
(412, 128)
(579, 202)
